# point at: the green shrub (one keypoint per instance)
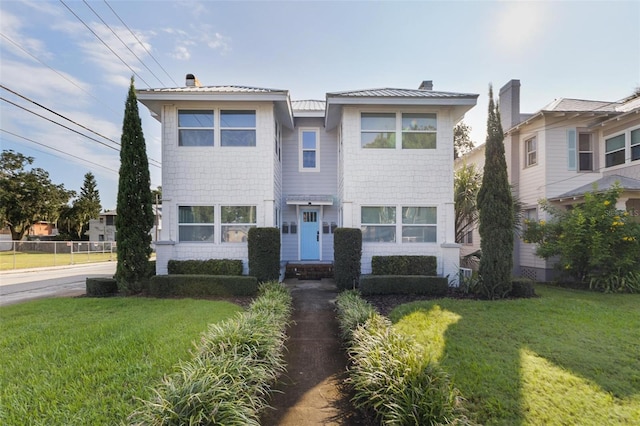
(201, 285)
(152, 268)
(264, 253)
(347, 254)
(205, 267)
(522, 287)
(229, 380)
(621, 282)
(403, 284)
(404, 265)
(101, 286)
(389, 375)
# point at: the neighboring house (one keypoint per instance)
(42, 229)
(238, 157)
(104, 227)
(561, 151)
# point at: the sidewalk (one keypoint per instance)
(310, 393)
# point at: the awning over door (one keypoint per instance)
(309, 200)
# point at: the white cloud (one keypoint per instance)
(14, 37)
(519, 25)
(181, 53)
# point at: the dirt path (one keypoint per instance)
(311, 391)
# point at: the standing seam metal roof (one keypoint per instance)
(217, 89)
(389, 92)
(308, 105)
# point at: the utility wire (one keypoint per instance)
(103, 42)
(141, 43)
(62, 116)
(56, 71)
(66, 127)
(58, 150)
(123, 43)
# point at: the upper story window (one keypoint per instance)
(614, 150)
(309, 150)
(196, 223)
(635, 145)
(419, 131)
(585, 152)
(531, 152)
(419, 224)
(378, 224)
(236, 222)
(195, 127)
(237, 128)
(378, 130)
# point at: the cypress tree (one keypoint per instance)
(495, 204)
(135, 215)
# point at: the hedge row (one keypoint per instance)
(233, 369)
(403, 284)
(264, 253)
(96, 287)
(388, 373)
(404, 265)
(347, 249)
(205, 267)
(201, 285)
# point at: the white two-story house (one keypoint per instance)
(236, 157)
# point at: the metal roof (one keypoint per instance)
(311, 200)
(399, 93)
(580, 105)
(603, 184)
(215, 89)
(308, 105)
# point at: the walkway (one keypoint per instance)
(310, 393)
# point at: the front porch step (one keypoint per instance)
(309, 270)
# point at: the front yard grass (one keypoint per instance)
(567, 357)
(86, 361)
(21, 260)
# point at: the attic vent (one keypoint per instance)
(192, 81)
(426, 85)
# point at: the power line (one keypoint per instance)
(66, 127)
(62, 116)
(56, 71)
(123, 43)
(141, 43)
(59, 150)
(103, 42)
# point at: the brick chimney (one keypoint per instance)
(426, 85)
(192, 81)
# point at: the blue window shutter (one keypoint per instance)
(571, 149)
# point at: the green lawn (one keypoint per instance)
(82, 361)
(566, 358)
(22, 260)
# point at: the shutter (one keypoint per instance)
(571, 149)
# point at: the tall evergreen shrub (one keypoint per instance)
(135, 216)
(495, 204)
(347, 253)
(264, 253)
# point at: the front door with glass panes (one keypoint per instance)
(309, 234)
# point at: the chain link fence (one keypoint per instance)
(38, 254)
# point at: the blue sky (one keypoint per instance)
(570, 49)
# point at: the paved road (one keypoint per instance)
(23, 285)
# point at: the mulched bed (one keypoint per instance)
(384, 304)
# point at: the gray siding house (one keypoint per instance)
(236, 157)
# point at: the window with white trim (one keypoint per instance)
(196, 223)
(585, 152)
(531, 152)
(378, 224)
(237, 128)
(419, 224)
(236, 222)
(195, 127)
(378, 130)
(635, 145)
(615, 150)
(419, 131)
(309, 147)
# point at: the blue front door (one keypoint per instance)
(309, 235)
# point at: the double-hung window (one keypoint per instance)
(419, 131)
(378, 130)
(195, 127)
(378, 224)
(635, 145)
(585, 152)
(237, 128)
(615, 150)
(236, 222)
(419, 224)
(309, 150)
(196, 223)
(531, 152)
